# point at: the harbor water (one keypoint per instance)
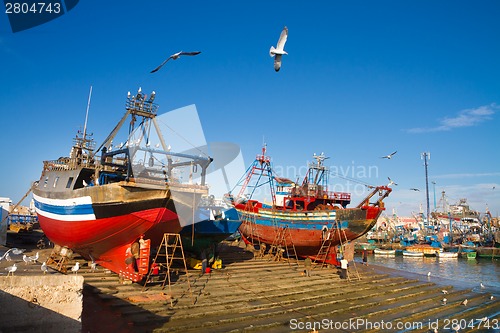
(461, 272)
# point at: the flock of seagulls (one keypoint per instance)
(33, 259)
(275, 52)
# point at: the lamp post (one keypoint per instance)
(425, 156)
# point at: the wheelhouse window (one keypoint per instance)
(56, 181)
(46, 181)
(70, 181)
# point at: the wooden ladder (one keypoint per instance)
(172, 245)
(281, 245)
(341, 233)
(324, 250)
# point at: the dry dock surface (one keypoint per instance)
(259, 295)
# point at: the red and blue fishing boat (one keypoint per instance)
(308, 212)
(100, 205)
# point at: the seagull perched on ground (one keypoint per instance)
(278, 52)
(14, 250)
(445, 300)
(33, 258)
(390, 155)
(11, 269)
(465, 302)
(44, 268)
(25, 259)
(176, 56)
(429, 274)
(482, 285)
(75, 268)
(491, 297)
(391, 182)
(444, 291)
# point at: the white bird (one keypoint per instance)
(445, 300)
(390, 155)
(33, 258)
(93, 267)
(25, 259)
(44, 268)
(75, 268)
(429, 274)
(176, 56)
(491, 297)
(278, 52)
(391, 182)
(482, 285)
(14, 250)
(444, 291)
(465, 302)
(11, 269)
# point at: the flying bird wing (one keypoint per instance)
(282, 40)
(175, 56)
(190, 53)
(394, 153)
(163, 63)
(277, 62)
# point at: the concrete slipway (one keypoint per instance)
(259, 295)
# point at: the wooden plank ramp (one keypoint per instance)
(258, 295)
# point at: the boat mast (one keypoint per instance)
(87, 116)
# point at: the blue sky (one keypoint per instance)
(361, 80)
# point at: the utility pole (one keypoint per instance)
(434, 187)
(426, 156)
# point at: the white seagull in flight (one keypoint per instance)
(390, 155)
(391, 182)
(176, 56)
(278, 52)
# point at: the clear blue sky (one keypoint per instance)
(361, 80)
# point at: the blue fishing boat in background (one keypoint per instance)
(218, 221)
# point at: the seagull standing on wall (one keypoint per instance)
(278, 52)
(176, 56)
(75, 268)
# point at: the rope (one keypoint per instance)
(183, 138)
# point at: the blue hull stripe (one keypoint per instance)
(65, 210)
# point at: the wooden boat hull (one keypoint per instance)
(412, 254)
(381, 252)
(101, 222)
(308, 229)
(447, 255)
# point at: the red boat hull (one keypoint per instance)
(107, 239)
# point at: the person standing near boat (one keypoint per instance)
(343, 268)
(365, 257)
(307, 266)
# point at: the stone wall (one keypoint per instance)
(44, 303)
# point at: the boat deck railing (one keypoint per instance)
(65, 164)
